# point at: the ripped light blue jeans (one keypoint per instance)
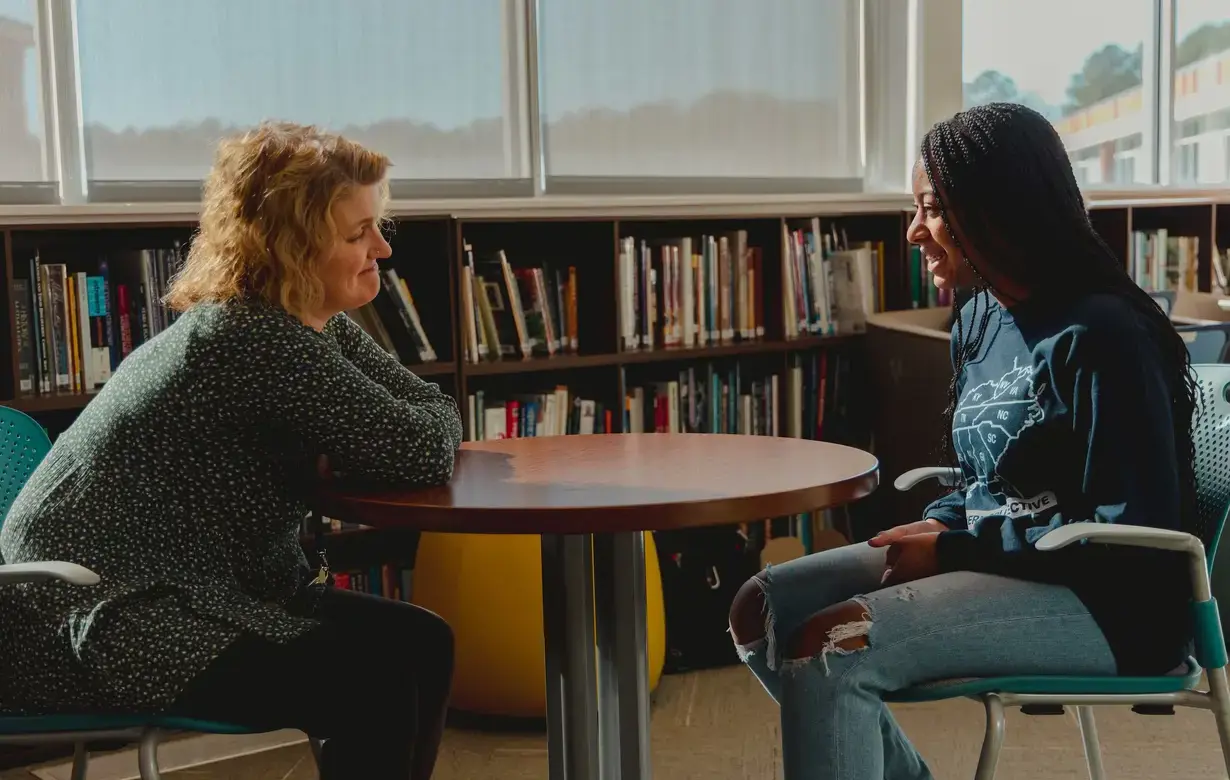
(961, 624)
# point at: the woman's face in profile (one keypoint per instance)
(350, 274)
(942, 256)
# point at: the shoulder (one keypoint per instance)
(1102, 331)
(239, 330)
(340, 326)
(971, 314)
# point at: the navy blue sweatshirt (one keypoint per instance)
(1064, 416)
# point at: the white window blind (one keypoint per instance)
(23, 130)
(423, 82)
(712, 90)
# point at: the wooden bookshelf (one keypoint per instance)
(428, 253)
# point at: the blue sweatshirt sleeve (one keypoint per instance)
(1114, 459)
(949, 509)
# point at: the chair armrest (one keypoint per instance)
(1137, 536)
(39, 571)
(948, 477)
(1108, 533)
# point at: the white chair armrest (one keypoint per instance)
(13, 573)
(948, 477)
(1108, 533)
(1137, 536)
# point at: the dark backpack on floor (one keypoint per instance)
(702, 570)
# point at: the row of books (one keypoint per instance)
(713, 398)
(74, 328)
(829, 284)
(685, 292)
(557, 413)
(711, 289)
(706, 399)
(393, 321)
(516, 313)
(1160, 261)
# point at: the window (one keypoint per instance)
(1084, 74)
(1201, 120)
(425, 83)
(700, 90)
(23, 131)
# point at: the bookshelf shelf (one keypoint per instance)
(536, 364)
(49, 403)
(732, 350)
(566, 362)
(442, 368)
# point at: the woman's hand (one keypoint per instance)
(911, 558)
(885, 538)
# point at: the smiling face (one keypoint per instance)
(944, 259)
(349, 274)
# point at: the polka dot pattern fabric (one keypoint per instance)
(183, 484)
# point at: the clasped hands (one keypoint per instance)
(911, 551)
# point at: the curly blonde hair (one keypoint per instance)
(267, 216)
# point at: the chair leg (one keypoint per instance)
(1220, 695)
(81, 761)
(1089, 735)
(147, 755)
(994, 739)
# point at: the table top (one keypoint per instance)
(610, 483)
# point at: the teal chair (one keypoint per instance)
(23, 444)
(1146, 695)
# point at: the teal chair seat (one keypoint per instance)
(23, 445)
(61, 724)
(1186, 680)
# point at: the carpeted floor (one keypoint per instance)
(720, 724)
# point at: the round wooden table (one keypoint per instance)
(590, 497)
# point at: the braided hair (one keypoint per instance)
(988, 164)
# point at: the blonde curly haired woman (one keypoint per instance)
(183, 484)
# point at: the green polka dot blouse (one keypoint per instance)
(183, 484)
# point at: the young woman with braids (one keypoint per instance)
(1071, 400)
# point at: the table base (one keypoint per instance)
(597, 701)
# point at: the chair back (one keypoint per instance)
(1207, 343)
(23, 445)
(1211, 435)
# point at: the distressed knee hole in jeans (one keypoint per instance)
(768, 644)
(852, 629)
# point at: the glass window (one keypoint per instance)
(713, 89)
(1084, 75)
(424, 83)
(23, 138)
(1201, 122)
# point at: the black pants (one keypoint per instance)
(372, 680)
